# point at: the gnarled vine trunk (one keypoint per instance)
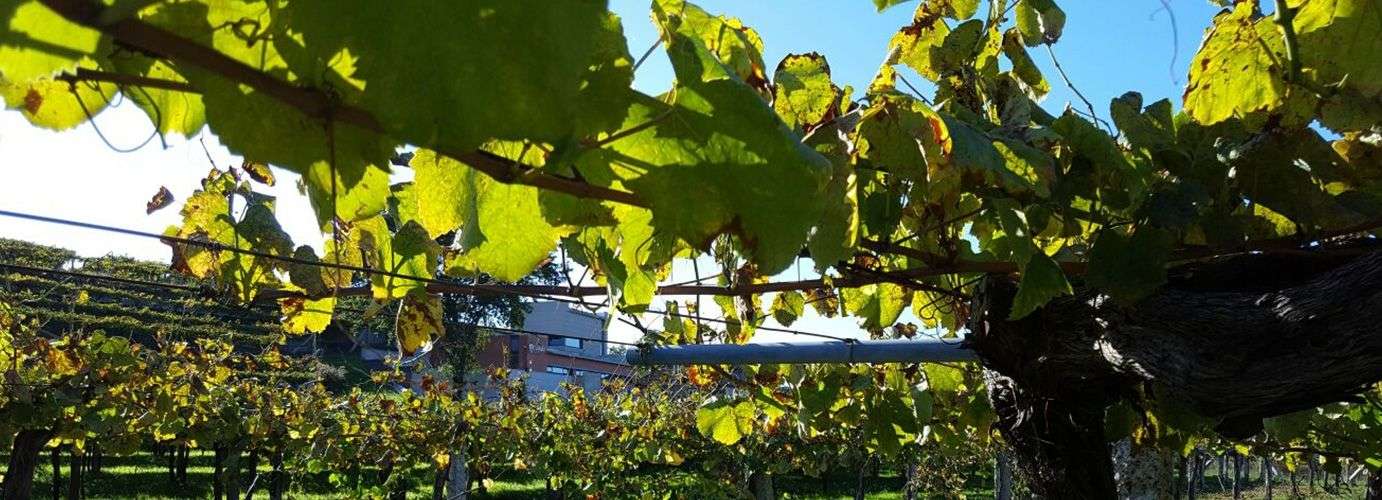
(761, 485)
(1236, 339)
(19, 476)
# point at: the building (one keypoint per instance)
(573, 351)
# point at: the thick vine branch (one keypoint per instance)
(92, 75)
(940, 264)
(310, 101)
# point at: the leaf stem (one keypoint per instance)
(1071, 85)
(1284, 17)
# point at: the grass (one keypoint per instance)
(143, 476)
(1255, 489)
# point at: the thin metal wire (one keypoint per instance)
(194, 289)
(473, 289)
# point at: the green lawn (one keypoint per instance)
(1281, 488)
(142, 476)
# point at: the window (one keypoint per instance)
(571, 342)
(559, 370)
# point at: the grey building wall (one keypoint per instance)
(558, 318)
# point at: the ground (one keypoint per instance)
(142, 476)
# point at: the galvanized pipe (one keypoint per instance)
(863, 351)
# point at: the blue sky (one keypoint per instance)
(1109, 47)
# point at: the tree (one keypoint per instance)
(1174, 273)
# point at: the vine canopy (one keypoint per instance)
(529, 136)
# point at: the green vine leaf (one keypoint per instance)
(725, 420)
(1042, 280)
(37, 43)
(803, 94)
(1040, 21)
(1129, 267)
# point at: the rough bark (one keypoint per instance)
(1374, 485)
(1237, 476)
(217, 460)
(1003, 477)
(458, 477)
(1143, 473)
(253, 466)
(439, 483)
(19, 476)
(761, 483)
(56, 459)
(74, 476)
(859, 479)
(1235, 339)
(1194, 475)
(230, 479)
(278, 482)
(909, 486)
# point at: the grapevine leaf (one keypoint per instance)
(897, 133)
(838, 232)
(954, 9)
(257, 126)
(53, 104)
(1023, 66)
(37, 43)
(883, 5)
(419, 322)
(1152, 129)
(310, 278)
(725, 420)
(1339, 41)
(259, 171)
(171, 111)
(720, 136)
(1040, 21)
(503, 231)
(919, 44)
(1090, 142)
(1042, 280)
(787, 307)
(303, 315)
(1129, 268)
(509, 70)
(739, 47)
(410, 252)
(878, 305)
(802, 91)
(443, 191)
(959, 47)
(1236, 74)
(159, 201)
(943, 379)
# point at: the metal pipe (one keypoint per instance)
(863, 351)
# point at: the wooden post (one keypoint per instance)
(217, 459)
(57, 472)
(278, 481)
(74, 476)
(1237, 476)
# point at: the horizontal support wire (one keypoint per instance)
(174, 286)
(449, 286)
